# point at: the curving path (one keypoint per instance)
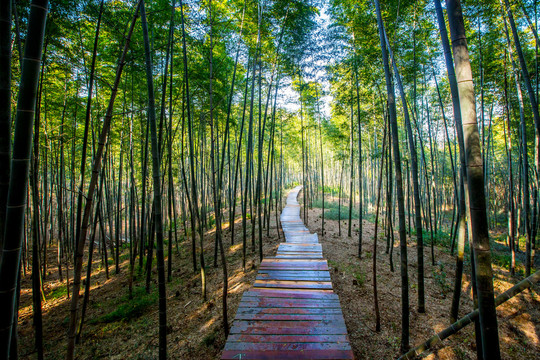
(291, 312)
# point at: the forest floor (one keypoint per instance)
(518, 319)
(120, 328)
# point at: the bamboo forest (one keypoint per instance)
(269, 179)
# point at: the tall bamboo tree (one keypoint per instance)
(18, 178)
(5, 109)
(399, 185)
(475, 180)
(96, 167)
(156, 174)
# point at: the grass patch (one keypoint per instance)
(370, 217)
(129, 309)
(335, 214)
(332, 210)
(317, 203)
(209, 339)
(501, 259)
(440, 238)
(329, 189)
(351, 269)
(58, 292)
(124, 256)
(439, 274)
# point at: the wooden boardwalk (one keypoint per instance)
(291, 312)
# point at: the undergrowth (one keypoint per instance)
(129, 309)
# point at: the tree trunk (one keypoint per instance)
(20, 163)
(74, 307)
(475, 179)
(156, 174)
(399, 187)
(416, 191)
(536, 115)
(5, 110)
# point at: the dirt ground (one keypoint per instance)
(519, 318)
(195, 327)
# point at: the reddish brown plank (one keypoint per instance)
(288, 355)
(290, 284)
(291, 294)
(288, 338)
(289, 303)
(294, 277)
(288, 310)
(288, 317)
(314, 273)
(264, 346)
(291, 328)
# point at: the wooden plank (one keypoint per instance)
(298, 255)
(289, 317)
(296, 262)
(308, 264)
(288, 310)
(290, 294)
(307, 254)
(290, 330)
(288, 355)
(301, 240)
(304, 303)
(247, 346)
(271, 260)
(299, 251)
(294, 277)
(291, 284)
(287, 338)
(300, 247)
(297, 290)
(314, 273)
(333, 327)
